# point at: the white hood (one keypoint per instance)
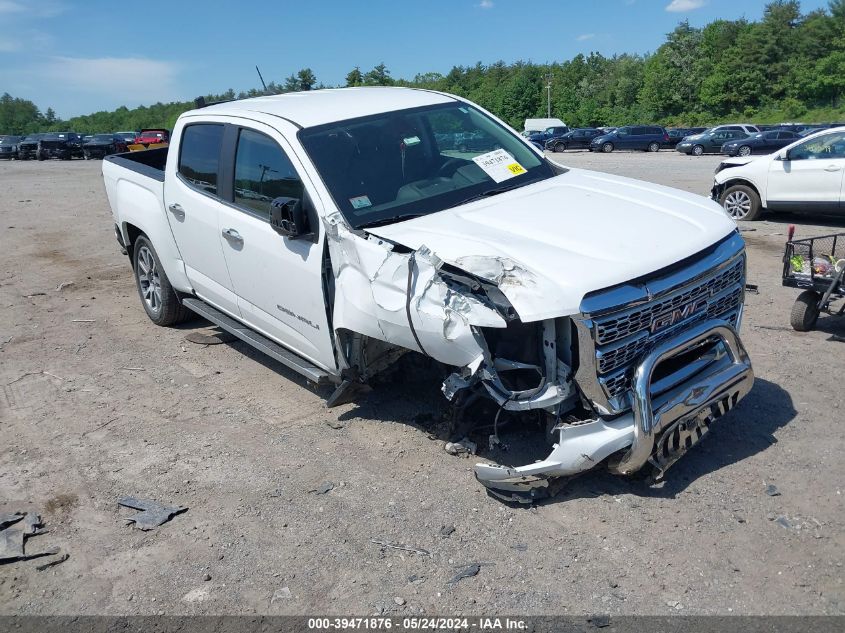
(550, 243)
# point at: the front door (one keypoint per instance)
(278, 280)
(192, 208)
(810, 176)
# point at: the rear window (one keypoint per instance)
(199, 155)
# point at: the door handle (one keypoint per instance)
(832, 168)
(176, 209)
(233, 236)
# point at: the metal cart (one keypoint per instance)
(817, 266)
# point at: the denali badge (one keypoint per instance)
(677, 315)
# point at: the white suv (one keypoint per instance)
(808, 175)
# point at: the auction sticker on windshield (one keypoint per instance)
(499, 165)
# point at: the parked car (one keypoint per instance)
(549, 134)
(761, 143)
(129, 137)
(9, 147)
(579, 138)
(677, 134)
(533, 126)
(708, 142)
(808, 175)
(28, 146)
(358, 245)
(102, 145)
(62, 145)
(152, 137)
(643, 137)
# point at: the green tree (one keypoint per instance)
(378, 76)
(354, 77)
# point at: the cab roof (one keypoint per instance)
(316, 107)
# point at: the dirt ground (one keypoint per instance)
(98, 403)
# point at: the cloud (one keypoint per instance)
(9, 45)
(681, 6)
(486, 4)
(94, 78)
(32, 8)
(585, 36)
(8, 6)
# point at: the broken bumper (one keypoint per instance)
(660, 427)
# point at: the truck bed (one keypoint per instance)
(148, 162)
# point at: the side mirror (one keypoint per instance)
(288, 218)
(784, 155)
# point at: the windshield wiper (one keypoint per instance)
(489, 193)
(390, 220)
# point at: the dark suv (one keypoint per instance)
(648, 138)
(579, 138)
(549, 134)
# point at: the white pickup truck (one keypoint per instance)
(337, 230)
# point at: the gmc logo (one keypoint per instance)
(668, 319)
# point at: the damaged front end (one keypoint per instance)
(640, 399)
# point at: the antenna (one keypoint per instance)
(261, 78)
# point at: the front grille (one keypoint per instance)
(614, 342)
(619, 327)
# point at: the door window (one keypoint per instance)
(821, 147)
(263, 172)
(199, 155)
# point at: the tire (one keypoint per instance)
(607, 148)
(805, 311)
(745, 150)
(560, 147)
(654, 147)
(741, 202)
(157, 295)
(697, 150)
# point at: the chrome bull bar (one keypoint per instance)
(731, 381)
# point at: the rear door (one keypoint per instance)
(812, 177)
(278, 280)
(192, 199)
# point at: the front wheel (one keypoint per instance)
(607, 148)
(560, 147)
(741, 202)
(698, 150)
(805, 311)
(745, 151)
(654, 147)
(157, 295)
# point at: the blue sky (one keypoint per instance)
(82, 56)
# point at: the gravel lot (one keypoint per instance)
(98, 403)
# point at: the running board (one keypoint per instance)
(259, 342)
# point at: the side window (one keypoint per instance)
(263, 172)
(637, 131)
(199, 155)
(821, 147)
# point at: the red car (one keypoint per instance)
(151, 137)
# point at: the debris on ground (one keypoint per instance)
(466, 572)
(281, 594)
(463, 447)
(323, 488)
(152, 513)
(404, 548)
(335, 424)
(210, 338)
(772, 490)
(783, 522)
(446, 530)
(15, 529)
(53, 563)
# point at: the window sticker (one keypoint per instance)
(360, 202)
(499, 165)
(411, 140)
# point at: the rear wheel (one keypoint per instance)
(157, 295)
(745, 151)
(805, 311)
(560, 147)
(697, 150)
(607, 148)
(741, 202)
(654, 147)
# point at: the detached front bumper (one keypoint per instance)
(664, 422)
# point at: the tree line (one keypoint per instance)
(788, 65)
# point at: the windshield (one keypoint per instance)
(414, 162)
(10, 140)
(152, 133)
(102, 137)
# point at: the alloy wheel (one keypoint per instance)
(737, 204)
(149, 280)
